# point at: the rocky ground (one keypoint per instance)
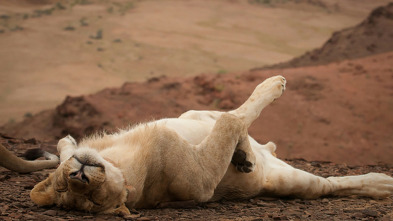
(15, 203)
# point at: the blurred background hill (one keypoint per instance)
(51, 48)
(161, 58)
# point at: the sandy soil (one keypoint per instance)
(15, 203)
(50, 49)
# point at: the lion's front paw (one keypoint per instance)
(243, 162)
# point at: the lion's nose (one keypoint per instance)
(79, 175)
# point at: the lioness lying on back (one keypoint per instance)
(201, 156)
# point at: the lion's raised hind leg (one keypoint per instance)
(204, 165)
(265, 93)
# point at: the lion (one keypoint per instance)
(14, 163)
(201, 156)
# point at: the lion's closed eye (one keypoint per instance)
(61, 189)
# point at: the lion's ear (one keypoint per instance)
(44, 194)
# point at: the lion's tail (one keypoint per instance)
(14, 163)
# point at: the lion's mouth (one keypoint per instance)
(80, 176)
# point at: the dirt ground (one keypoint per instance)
(15, 203)
(54, 48)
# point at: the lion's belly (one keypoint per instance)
(193, 131)
(237, 185)
(234, 185)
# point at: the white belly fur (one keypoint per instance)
(193, 131)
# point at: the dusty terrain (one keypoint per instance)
(54, 48)
(15, 203)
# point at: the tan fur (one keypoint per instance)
(14, 163)
(200, 156)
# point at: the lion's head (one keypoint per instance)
(86, 182)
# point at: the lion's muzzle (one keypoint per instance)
(79, 176)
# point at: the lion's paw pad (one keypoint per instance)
(240, 161)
